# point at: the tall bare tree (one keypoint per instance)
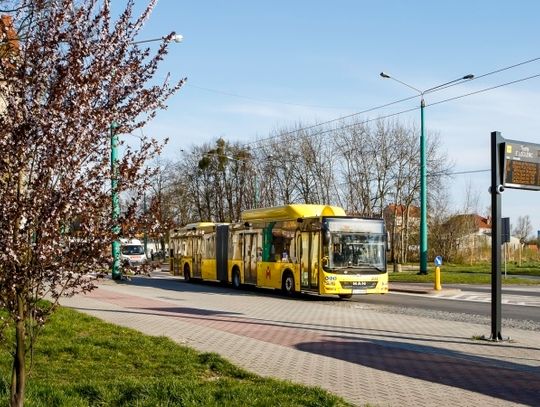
(523, 228)
(278, 160)
(74, 72)
(359, 166)
(522, 231)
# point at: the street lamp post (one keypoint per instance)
(423, 169)
(116, 273)
(145, 236)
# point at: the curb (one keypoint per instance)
(424, 290)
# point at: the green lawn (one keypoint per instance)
(472, 274)
(82, 361)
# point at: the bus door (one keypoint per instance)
(302, 253)
(314, 258)
(197, 256)
(222, 244)
(250, 257)
(307, 246)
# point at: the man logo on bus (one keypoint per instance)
(268, 273)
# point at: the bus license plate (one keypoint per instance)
(359, 291)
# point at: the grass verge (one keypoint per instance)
(82, 361)
(475, 274)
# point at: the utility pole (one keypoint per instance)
(115, 270)
(423, 163)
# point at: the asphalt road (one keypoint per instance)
(472, 299)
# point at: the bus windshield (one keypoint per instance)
(128, 250)
(360, 246)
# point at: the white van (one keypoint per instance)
(132, 252)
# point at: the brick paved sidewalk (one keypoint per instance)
(345, 347)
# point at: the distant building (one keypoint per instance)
(472, 232)
(401, 215)
(470, 224)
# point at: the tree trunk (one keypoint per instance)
(406, 234)
(393, 255)
(18, 374)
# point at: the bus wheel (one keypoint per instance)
(345, 296)
(288, 283)
(187, 277)
(236, 278)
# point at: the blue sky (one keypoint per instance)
(308, 61)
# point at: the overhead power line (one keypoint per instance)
(406, 99)
(338, 119)
(266, 100)
(485, 89)
(263, 100)
(372, 109)
(506, 68)
(260, 141)
(467, 172)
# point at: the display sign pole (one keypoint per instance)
(514, 164)
(496, 190)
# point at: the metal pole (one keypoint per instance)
(423, 176)
(115, 269)
(145, 234)
(496, 189)
(505, 248)
(423, 193)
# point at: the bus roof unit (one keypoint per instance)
(293, 211)
(199, 225)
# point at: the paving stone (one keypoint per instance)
(362, 355)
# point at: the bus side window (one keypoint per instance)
(286, 255)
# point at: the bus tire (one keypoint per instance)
(287, 284)
(187, 275)
(345, 296)
(236, 279)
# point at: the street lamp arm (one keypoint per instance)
(420, 92)
(403, 83)
(173, 37)
(463, 78)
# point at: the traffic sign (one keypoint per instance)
(438, 261)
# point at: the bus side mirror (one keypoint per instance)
(326, 237)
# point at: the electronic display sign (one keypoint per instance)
(521, 165)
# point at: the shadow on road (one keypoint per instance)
(512, 382)
(177, 284)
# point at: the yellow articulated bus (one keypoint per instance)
(193, 251)
(296, 248)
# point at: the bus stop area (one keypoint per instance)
(345, 347)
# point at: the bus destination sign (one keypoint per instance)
(521, 165)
